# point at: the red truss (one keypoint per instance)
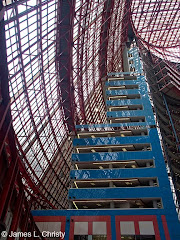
(58, 51)
(156, 24)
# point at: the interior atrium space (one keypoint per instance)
(90, 119)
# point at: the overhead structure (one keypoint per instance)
(157, 29)
(57, 55)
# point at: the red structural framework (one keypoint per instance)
(58, 52)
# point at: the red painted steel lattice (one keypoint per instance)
(157, 25)
(56, 60)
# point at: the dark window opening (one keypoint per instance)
(138, 237)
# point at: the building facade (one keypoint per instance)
(119, 185)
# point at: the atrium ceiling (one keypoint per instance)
(57, 54)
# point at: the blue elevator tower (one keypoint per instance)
(119, 185)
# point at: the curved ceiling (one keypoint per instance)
(157, 25)
(37, 55)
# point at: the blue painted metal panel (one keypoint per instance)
(123, 82)
(128, 102)
(111, 141)
(102, 212)
(113, 227)
(122, 193)
(112, 156)
(120, 73)
(120, 174)
(122, 92)
(147, 113)
(160, 227)
(151, 137)
(92, 126)
(131, 113)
